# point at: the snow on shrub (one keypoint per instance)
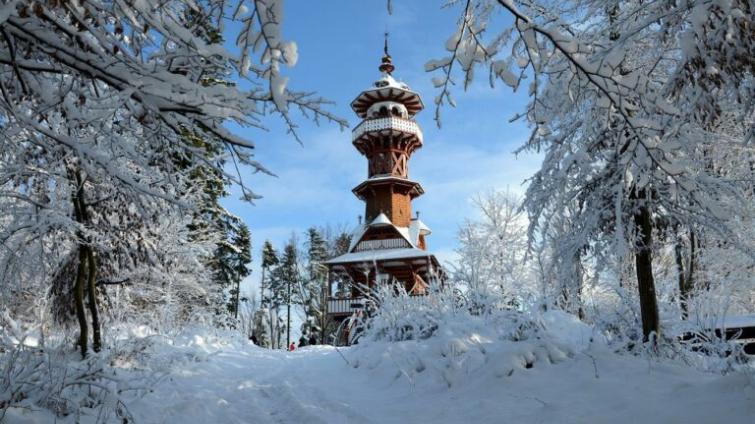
(444, 334)
(48, 378)
(33, 379)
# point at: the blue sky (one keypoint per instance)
(340, 46)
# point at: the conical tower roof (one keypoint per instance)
(387, 88)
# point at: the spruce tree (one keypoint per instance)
(270, 295)
(314, 285)
(286, 282)
(340, 245)
(269, 263)
(234, 262)
(212, 221)
(337, 247)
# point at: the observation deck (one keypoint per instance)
(390, 125)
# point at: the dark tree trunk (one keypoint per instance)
(78, 287)
(644, 267)
(79, 302)
(269, 307)
(96, 336)
(236, 300)
(692, 259)
(86, 273)
(683, 292)
(324, 309)
(570, 299)
(288, 317)
(579, 274)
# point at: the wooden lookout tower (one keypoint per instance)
(390, 246)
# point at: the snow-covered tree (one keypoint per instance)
(271, 296)
(102, 105)
(313, 287)
(269, 262)
(233, 256)
(492, 249)
(285, 283)
(625, 98)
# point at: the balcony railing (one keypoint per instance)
(397, 243)
(346, 305)
(388, 123)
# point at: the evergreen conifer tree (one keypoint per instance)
(212, 221)
(269, 263)
(314, 285)
(340, 244)
(285, 285)
(270, 298)
(234, 259)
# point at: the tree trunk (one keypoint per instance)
(571, 290)
(79, 302)
(288, 317)
(579, 274)
(78, 287)
(692, 259)
(236, 300)
(96, 336)
(644, 267)
(262, 286)
(683, 292)
(86, 273)
(274, 340)
(269, 308)
(324, 309)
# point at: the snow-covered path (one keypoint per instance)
(246, 384)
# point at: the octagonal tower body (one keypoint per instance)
(390, 246)
(387, 137)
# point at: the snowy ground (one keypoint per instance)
(213, 379)
(315, 385)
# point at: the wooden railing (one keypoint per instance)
(341, 306)
(387, 123)
(347, 306)
(394, 243)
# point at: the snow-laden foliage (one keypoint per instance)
(601, 294)
(301, 268)
(40, 375)
(445, 337)
(492, 250)
(445, 333)
(643, 112)
(115, 148)
(45, 379)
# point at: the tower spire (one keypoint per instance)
(386, 64)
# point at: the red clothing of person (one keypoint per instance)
(292, 347)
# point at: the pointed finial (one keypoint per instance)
(386, 65)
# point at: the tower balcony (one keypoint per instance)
(390, 125)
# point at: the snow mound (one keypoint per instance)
(568, 329)
(437, 339)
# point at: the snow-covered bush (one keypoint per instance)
(452, 336)
(49, 379)
(45, 376)
(40, 379)
(443, 333)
